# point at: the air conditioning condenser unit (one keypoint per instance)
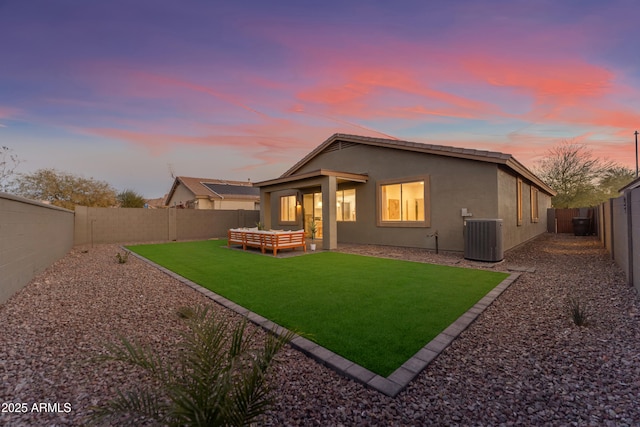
(483, 240)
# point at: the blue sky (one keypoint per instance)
(128, 91)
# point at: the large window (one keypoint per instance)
(404, 203)
(346, 205)
(288, 208)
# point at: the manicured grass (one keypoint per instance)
(375, 312)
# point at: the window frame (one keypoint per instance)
(282, 218)
(425, 223)
(341, 200)
(535, 210)
(519, 213)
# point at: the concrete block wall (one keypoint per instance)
(634, 235)
(111, 225)
(129, 225)
(192, 224)
(622, 233)
(32, 237)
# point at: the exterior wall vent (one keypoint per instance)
(339, 145)
(483, 240)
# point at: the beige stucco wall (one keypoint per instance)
(514, 234)
(181, 195)
(235, 204)
(32, 236)
(482, 188)
(454, 184)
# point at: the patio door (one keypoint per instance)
(312, 205)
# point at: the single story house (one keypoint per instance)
(390, 192)
(206, 193)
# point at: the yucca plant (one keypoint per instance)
(578, 311)
(219, 378)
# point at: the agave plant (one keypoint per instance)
(218, 380)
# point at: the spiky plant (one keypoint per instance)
(578, 311)
(219, 378)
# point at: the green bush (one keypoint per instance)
(122, 259)
(218, 380)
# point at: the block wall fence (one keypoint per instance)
(134, 225)
(621, 233)
(34, 235)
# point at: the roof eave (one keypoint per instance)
(345, 176)
(173, 190)
(520, 169)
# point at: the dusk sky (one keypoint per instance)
(127, 91)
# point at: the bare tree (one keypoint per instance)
(8, 164)
(571, 170)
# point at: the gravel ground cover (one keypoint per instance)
(523, 362)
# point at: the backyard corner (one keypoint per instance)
(379, 321)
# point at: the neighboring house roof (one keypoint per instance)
(338, 140)
(157, 202)
(215, 188)
(231, 190)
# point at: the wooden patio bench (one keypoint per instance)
(266, 240)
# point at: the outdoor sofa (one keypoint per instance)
(266, 240)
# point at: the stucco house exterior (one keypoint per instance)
(390, 192)
(207, 193)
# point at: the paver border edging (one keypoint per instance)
(391, 385)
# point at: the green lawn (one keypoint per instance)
(375, 312)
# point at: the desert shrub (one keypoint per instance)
(578, 311)
(122, 258)
(219, 378)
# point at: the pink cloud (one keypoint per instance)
(347, 87)
(552, 83)
(8, 112)
(131, 87)
(161, 80)
(373, 92)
